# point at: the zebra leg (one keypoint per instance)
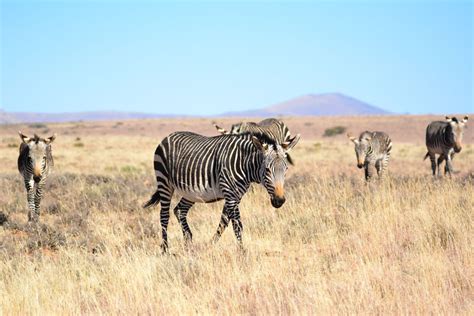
(165, 201)
(433, 163)
(222, 224)
(378, 167)
(181, 211)
(237, 224)
(440, 161)
(30, 194)
(384, 165)
(448, 168)
(368, 171)
(38, 195)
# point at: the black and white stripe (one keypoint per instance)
(373, 152)
(273, 128)
(444, 139)
(207, 169)
(35, 163)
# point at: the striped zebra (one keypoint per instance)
(35, 163)
(372, 150)
(444, 139)
(273, 128)
(208, 169)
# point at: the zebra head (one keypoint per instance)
(456, 131)
(37, 152)
(362, 146)
(274, 166)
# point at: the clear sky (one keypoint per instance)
(213, 57)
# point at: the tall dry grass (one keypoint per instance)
(403, 245)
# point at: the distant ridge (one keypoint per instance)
(328, 104)
(29, 117)
(317, 105)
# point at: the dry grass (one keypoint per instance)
(336, 246)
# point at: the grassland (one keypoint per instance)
(403, 245)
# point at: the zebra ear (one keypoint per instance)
(465, 119)
(290, 143)
(260, 146)
(50, 139)
(23, 137)
(220, 129)
(448, 119)
(352, 138)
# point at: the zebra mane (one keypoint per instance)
(262, 137)
(36, 138)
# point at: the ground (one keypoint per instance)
(338, 245)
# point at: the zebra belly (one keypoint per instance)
(207, 195)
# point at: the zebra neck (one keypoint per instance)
(253, 166)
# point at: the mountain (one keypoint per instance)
(317, 105)
(310, 104)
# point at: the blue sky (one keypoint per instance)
(214, 57)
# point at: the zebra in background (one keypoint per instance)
(372, 150)
(444, 139)
(35, 163)
(273, 128)
(207, 169)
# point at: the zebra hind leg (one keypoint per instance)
(181, 211)
(165, 201)
(433, 163)
(237, 225)
(440, 161)
(224, 222)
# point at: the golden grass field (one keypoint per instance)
(338, 245)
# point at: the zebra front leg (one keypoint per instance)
(369, 171)
(30, 195)
(38, 195)
(448, 168)
(181, 211)
(224, 222)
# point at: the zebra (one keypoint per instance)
(444, 139)
(275, 129)
(35, 162)
(204, 169)
(372, 150)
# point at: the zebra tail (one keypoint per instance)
(155, 199)
(426, 156)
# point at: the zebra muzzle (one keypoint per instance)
(277, 202)
(37, 178)
(360, 165)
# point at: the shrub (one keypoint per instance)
(333, 131)
(38, 125)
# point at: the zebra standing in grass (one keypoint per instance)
(35, 163)
(273, 128)
(207, 169)
(372, 150)
(444, 139)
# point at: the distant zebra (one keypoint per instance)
(207, 169)
(273, 128)
(372, 150)
(35, 163)
(444, 139)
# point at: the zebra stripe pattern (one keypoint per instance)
(35, 163)
(273, 128)
(444, 139)
(207, 169)
(372, 152)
